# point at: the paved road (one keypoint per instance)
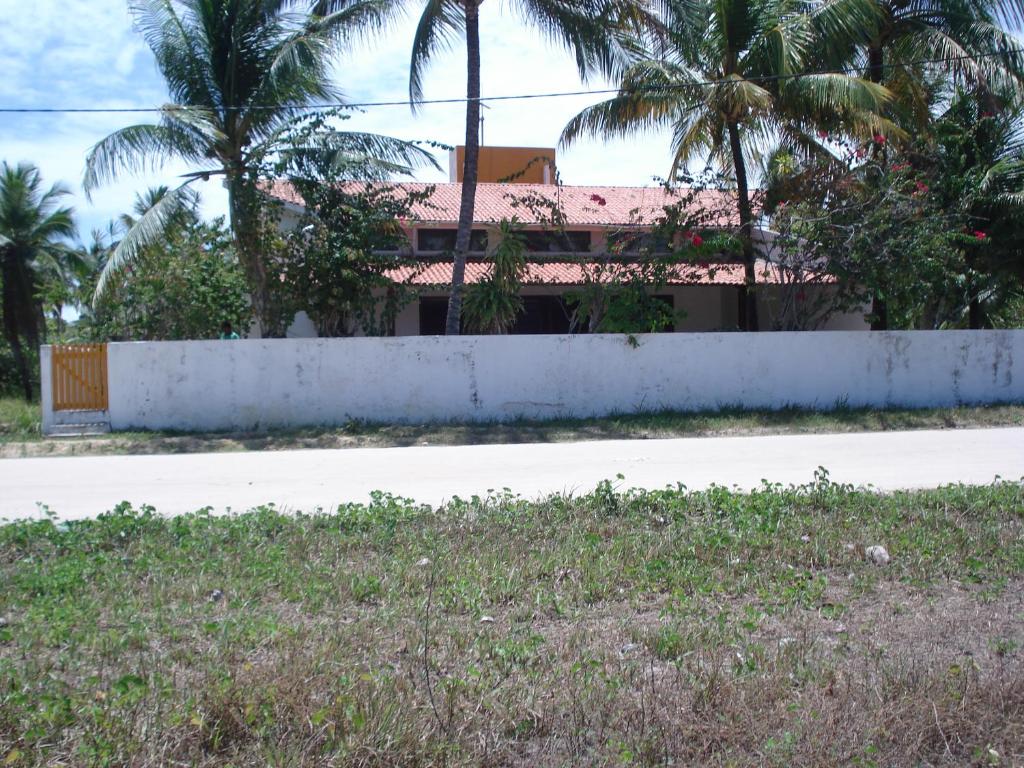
(75, 487)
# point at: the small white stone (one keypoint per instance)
(216, 596)
(629, 648)
(424, 562)
(805, 538)
(486, 619)
(877, 554)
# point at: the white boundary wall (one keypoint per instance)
(259, 384)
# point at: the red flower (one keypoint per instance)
(879, 138)
(598, 199)
(697, 240)
(921, 186)
(979, 235)
(901, 166)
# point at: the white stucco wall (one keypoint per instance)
(256, 384)
(46, 387)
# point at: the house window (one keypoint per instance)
(557, 242)
(433, 314)
(444, 240)
(635, 242)
(541, 314)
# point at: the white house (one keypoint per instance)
(596, 226)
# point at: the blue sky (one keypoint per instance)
(84, 53)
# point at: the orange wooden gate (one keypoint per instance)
(79, 377)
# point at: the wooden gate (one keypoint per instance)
(79, 377)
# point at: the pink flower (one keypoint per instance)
(901, 166)
(979, 235)
(921, 186)
(879, 138)
(822, 134)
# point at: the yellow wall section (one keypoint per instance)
(526, 164)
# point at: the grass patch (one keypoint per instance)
(19, 420)
(728, 421)
(618, 628)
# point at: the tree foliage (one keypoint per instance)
(339, 257)
(240, 73)
(181, 287)
(493, 304)
(34, 256)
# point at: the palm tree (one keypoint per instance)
(580, 25)
(723, 79)
(242, 74)
(32, 227)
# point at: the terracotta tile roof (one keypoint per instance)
(439, 273)
(531, 203)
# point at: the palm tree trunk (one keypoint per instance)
(245, 228)
(879, 310)
(748, 292)
(975, 315)
(13, 304)
(21, 363)
(469, 169)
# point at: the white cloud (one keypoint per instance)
(70, 53)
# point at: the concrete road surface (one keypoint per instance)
(75, 487)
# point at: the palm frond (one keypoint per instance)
(355, 155)
(839, 94)
(179, 51)
(346, 19)
(146, 230)
(138, 148)
(439, 26)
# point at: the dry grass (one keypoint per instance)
(20, 434)
(640, 628)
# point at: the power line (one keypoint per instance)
(510, 97)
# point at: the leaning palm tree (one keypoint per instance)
(242, 74)
(582, 26)
(33, 230)
(187, 208)
(723, 78)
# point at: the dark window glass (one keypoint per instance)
(433, 313)
(634, 242)
(444, 240)
(557, 242)
(542, 314)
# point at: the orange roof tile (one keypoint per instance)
(532, 203)
(439, 273)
